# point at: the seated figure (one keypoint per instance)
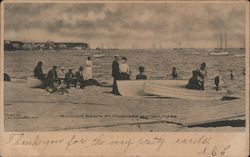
(141, 76)
(194, 82)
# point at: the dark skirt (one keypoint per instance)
(123, 76)
(195, 84)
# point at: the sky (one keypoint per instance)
(127, 25)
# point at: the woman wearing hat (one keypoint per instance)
(124, 69)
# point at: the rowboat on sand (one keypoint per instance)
(164, 88)
(175, 91)
(136, 87)
(33, 82)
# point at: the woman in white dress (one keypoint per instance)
(88, 69)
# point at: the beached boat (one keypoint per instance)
(99, 55)
(179, 91)
(136, 87)
(33, 82)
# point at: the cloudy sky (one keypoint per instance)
(124, 24)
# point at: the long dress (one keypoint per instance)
(115, 74)
(88, 70)
(124, 71)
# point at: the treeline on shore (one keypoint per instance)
(49, 45)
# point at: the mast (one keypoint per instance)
(221, 41)
(102, 46)
(243, 42)
(225, 41)
(160, 45)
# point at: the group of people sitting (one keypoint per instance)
(197, 80)
(55, 80)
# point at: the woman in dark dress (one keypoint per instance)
(38, 71)
(115, 74)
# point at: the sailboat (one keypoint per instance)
(242, 48)
(179, 48)
(221, 52)
(99, 55)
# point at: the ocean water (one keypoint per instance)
(158, 63)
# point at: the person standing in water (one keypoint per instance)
(244, 72)
(115, 74)
(231, 74)
(218, 80)
(124, 69)
(141, 76)
(174, 73)
(88, 69)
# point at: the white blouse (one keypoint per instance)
(124, 68)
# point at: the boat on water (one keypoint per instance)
(99, 55)
(221, 51)
(195, 53)
(33, 82)
(239, 55)
(180, 92)
(163, 88)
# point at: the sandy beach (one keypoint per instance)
(96, 109)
